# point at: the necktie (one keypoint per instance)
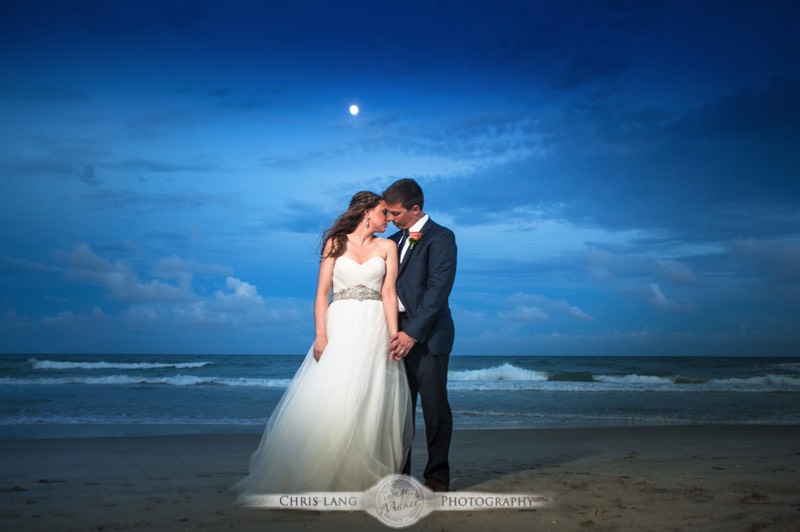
(402, 243)
(402, 239)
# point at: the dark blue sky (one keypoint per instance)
(623, 176)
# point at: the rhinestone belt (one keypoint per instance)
(358, 292)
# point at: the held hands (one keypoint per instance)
(400, 345)
(319, 346)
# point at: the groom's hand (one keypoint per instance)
(400, 345)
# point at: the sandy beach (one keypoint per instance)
(651, 478)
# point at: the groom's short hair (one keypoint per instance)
(406, 192)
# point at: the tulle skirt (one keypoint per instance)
(344, 422)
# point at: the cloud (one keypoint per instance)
(675, 272)
(782, 257)
(776, 262)
(560, 45)
(162, 124)
(174, 267)
(159, 166)
(302, 159)
(11, 320)
(68, 319)
(657, 298)
(300, 216)
(119, 280)
(85, 159)
(26, 264)
(170, 297)
(623, 159)
(633, 262)
(252, 100)
(654, 295)
(535, 307)
(89, 175)
(771, 111)
(241, 290)
(632, 273)
(53, 158)
(239, 306)
(523, 313)
(574, 311)
(470, 136)
(622, 165)
(121, 200)
(587, 67)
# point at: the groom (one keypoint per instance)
(427, 270)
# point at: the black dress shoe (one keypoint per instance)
(434, 485)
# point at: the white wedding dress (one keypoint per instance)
(345, 421)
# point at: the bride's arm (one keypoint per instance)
(388, 290)
(324, 285)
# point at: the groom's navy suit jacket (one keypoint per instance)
(424, 281)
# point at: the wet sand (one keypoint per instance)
(725, 478)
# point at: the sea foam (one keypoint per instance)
(132, 380)
(57, 364)
(506, 372)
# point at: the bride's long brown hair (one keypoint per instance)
(348, 222)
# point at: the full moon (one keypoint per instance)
(354, 109)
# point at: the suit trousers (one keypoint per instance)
(427, 377)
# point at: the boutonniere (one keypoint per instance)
(413, 238)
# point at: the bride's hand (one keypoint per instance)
(319, 346)
(400, 345)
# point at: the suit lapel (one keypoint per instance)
(409, 253)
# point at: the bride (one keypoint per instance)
(345, 420)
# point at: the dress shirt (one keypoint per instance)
(416, 228)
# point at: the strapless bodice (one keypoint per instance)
(348, 273)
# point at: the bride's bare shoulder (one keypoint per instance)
(388, 249)
(385, 244)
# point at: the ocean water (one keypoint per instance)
(113, 395)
